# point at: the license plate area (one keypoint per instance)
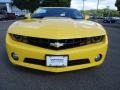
(56, 60)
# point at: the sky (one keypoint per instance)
(92, 4)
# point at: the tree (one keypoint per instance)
(27, 4)
(117, 4)
(56, 3)
(33, 4)
(103, 13)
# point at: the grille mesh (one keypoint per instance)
(67, 43)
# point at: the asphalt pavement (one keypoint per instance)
(105, 77)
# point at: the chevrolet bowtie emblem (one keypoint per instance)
(56, 44)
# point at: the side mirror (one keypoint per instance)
(28, 16)
(86, 17)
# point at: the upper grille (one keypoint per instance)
(57, 44)
(67, 43)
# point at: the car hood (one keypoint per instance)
(56, 28)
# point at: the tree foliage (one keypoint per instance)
(27, 4)
(102, 12)
(56, 3)
(33, 4)
(117, 4)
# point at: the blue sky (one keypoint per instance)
(92, 4)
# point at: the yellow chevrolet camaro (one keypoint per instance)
(56, 40)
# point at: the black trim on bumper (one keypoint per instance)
(43, 62)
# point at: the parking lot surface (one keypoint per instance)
(105, 77)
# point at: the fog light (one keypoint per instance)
(15, 56)
(98, 57)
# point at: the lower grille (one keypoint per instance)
(43, 62)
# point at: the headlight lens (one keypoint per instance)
(90, 40)
(19, 38)
(97, 39)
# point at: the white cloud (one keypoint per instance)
(92, 4)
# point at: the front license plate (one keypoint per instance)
(56, 60)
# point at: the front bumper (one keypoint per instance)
(79, 53)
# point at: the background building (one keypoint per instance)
(6, 5)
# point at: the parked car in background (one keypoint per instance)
(10, 16)
(117, 19)
(109, 20)
(2, 16)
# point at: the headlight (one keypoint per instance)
(90, 40)
(97, 39)
(19, 38)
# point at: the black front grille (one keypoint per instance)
(43, 62)
(61, 43)
(46, 43)
(57, 44)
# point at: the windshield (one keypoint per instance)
(57, 12)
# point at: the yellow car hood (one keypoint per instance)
(56, 28)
